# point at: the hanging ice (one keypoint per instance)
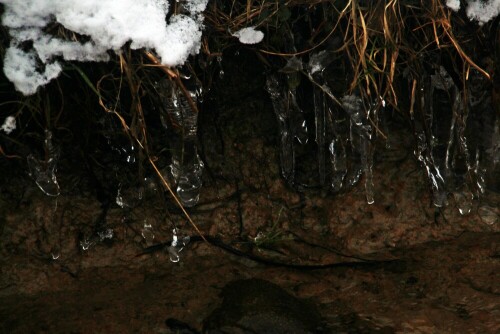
(291, 122)
(454, 163)
(177, 245)
(317, 64)
(433, 173)
(186, 167)
(362, 147)
(278, 98)
(338, 162)
(44, 171)
(463, 200)
(129, 195)
(329, 136)
(147, 232)
(96, 237)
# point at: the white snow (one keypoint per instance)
(249, 35)
(453, 4)
(483, 11)
(20, 68)
(9, 124)
(108, 23)
(479, 10)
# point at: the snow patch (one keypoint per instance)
(9, 124)
(482, 11)
(109, 25)
(249, 35)
(453, 4)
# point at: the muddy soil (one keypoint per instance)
(396, 266)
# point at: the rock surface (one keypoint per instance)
(258, 306)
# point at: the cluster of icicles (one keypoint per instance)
(455, 143)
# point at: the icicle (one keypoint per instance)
(449, 148)
(291, 120)
(338, 161)
(44, 171)
(89, 241)
(463, 200)
(352, 104)
(368, 170)
(480, 174)
(280, 106)
(181, 114)
(484, 125)
(433, 173)
(49, 233)
(129, 195)
(362, 148)
(148, 233)
(177, 246)
(326, 127)
(188, 174)
(461, 168)
(316, 66)
(186, 167)
(436, 147)
(456, 163)
(292, 73)
(319, 115)
(298, 125)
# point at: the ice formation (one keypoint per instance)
(43, 171)
(109, 25)
(186, 167)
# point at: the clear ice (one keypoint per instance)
(456, 132)
(434, 175)
(129, 195)
(360, 133)
(44, 171)
(315, 71)
(186, 167)
(177, 245)
(291, 120)
(454, 149)
(147, 232)
(344, 153)
(97, 237)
